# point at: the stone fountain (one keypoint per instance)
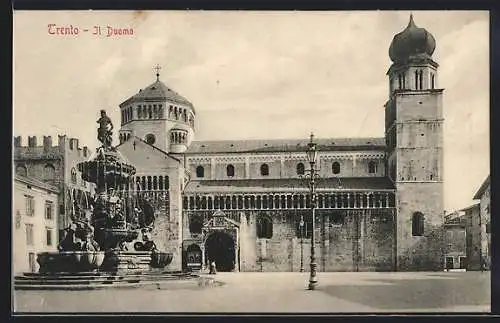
(115, 235)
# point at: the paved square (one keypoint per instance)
(284, 292)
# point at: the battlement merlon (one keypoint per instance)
(63, 142)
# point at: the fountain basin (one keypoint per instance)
(161, 259)
(69, 261)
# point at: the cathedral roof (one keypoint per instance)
(288, 184)
(412, 42)
(158, 91)
(284, 145)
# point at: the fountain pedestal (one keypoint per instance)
(127, 262)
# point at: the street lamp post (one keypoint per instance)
(312, 154)
(301, 224)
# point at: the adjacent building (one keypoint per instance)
(55, 165)
(455, 241)
(479, 229)
(34, 221)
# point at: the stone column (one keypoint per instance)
(247, 167)
(212, 168)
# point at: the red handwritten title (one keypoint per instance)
(103, 31)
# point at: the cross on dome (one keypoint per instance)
(157, 68)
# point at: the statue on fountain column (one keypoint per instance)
(104, 132)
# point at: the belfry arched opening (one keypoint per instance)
(219, 247)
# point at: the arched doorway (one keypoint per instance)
(193, 257)
(219, 247)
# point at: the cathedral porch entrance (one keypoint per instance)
(219, 247)
(221, 242)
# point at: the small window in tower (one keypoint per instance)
(417, 224)
(230, 170)
(150, 139)
(421, 79)
(336, 168)
(300, 169)
(264, 170)
(416, 80)
(400, 81)
(432, 81)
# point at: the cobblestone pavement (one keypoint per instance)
(284, 292)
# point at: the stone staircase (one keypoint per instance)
(103, 280)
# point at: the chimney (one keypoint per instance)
(85, 151)
(31, 141)
(47, 143)
(61, 141)
(17, 141)
(73, 143)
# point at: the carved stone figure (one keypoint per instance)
(104, 132)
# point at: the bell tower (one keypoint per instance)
(414, 138)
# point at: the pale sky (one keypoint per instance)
(254, 75)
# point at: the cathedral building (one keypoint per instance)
(245, 204)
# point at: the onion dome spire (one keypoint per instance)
(412, 43)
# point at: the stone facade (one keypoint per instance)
(34, 222)
(455, 241)
(479, 228)
(55, 165)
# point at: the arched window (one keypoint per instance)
(150, 112)
(417, 224)
(200, 171)
(264, 227)
(73, 175)
(432, 81)
(264, 170)
(195, 224)
(300, 169)
(230, 170)
(372, 167)
(139, 112)
(21, 170)
(161, 112)
(335, 168)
